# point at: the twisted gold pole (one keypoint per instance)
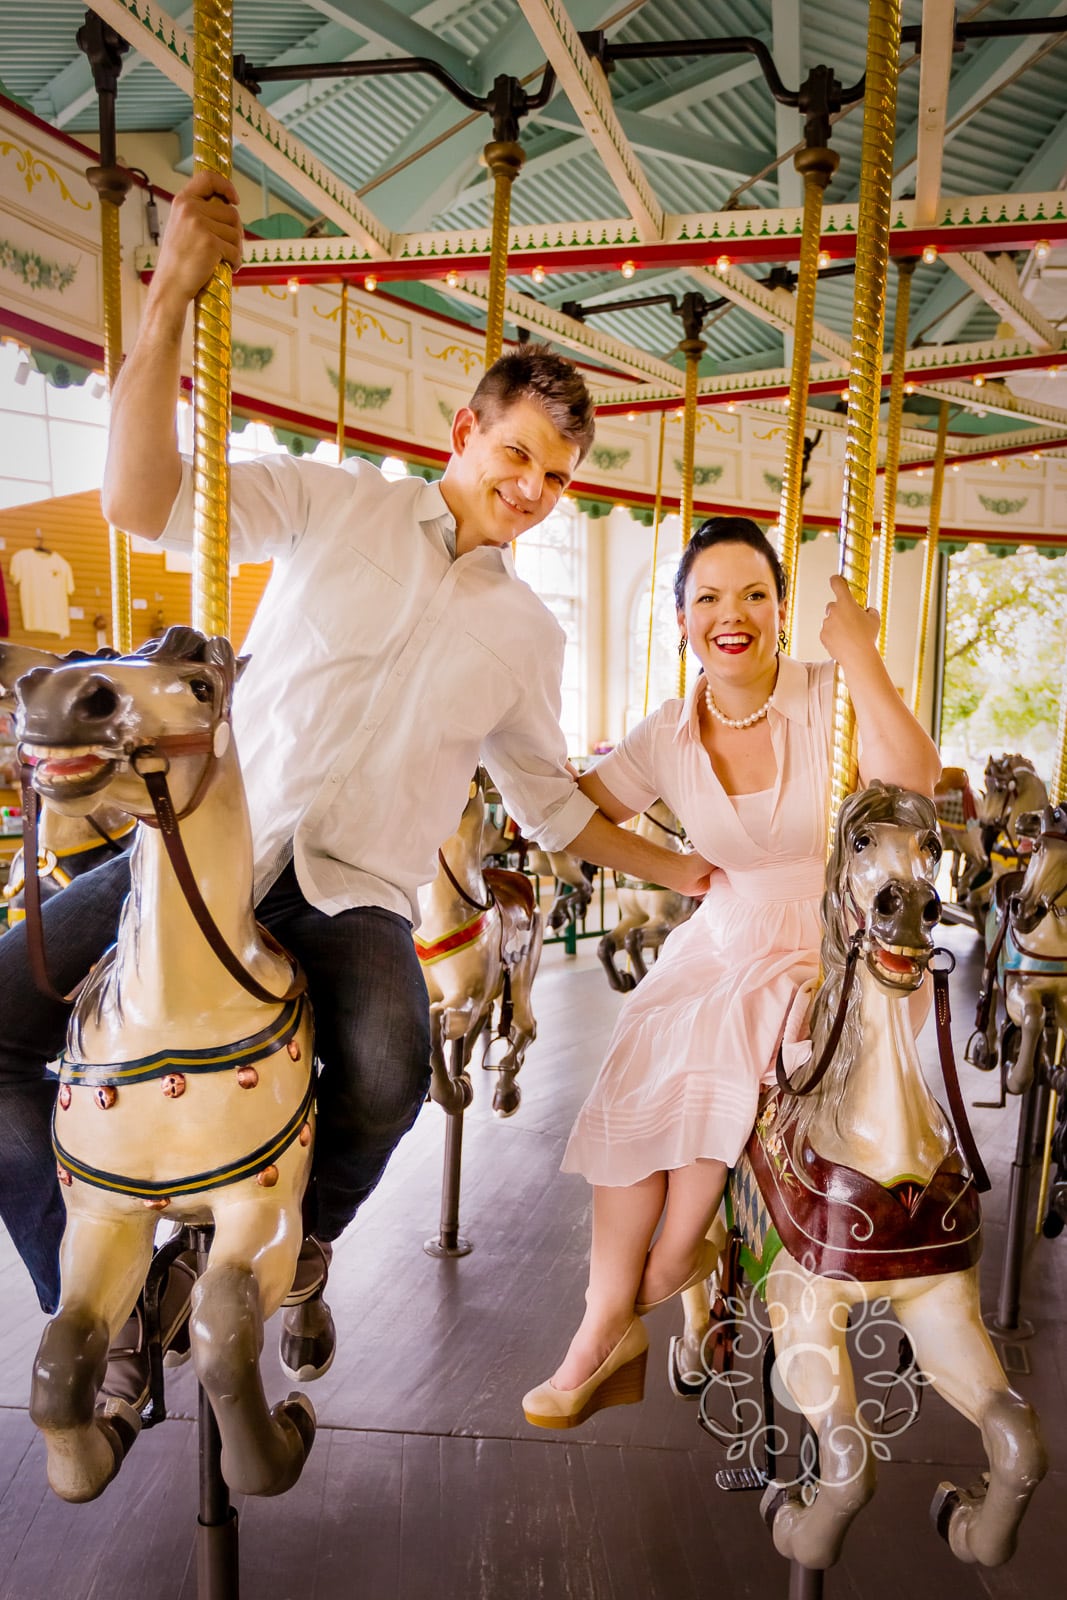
(1058, 790)
(118, 542)
(212, 151)
(342, 372)
(692, 349)
(905, 268)
(655, 555)
(818, 166)
(504, 158)
(865, 376)
(930, 563)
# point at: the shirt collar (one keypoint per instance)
(431, 508)
(790, 698)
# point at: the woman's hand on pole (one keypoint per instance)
(849, 633)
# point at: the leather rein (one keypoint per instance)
(475, 905)
(943, 1022)
(167, 820)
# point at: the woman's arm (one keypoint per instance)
(603, 799)
(603, 841)
(893, 746)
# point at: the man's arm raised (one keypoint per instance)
(143, 470)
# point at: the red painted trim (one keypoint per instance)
(449, 943)
(1021, 449)
(27, 331)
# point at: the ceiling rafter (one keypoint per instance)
(385, 28)
(999, 289)
(586, 87)
(776, 307)
(671, 143)
(935, 68)
(158, 37)
(73, 91)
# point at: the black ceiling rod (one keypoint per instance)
(692, 308)
(506, 103)
(1005, 28)
(104, 48)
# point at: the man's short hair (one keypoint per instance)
(534, 372)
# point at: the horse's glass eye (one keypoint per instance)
(860, 842)
(933, 846)
(201, 689)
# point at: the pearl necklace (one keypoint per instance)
(735, 722)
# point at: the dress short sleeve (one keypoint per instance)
(632, 771)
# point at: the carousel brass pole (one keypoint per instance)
(212, 151)
(692, 348)
(104, 49)
(905, 268)
(655, 556)
(1058, 788)
(930, 563)
(865, 376)
(342, 372)
(818, 166)
(504, 158)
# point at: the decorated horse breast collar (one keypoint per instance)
(429, 951)
(838, 1222)
(216, 1058)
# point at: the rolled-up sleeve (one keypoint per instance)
(526, 756)
(270, 501)
(629, 770)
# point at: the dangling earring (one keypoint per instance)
(783, 640)
(682, 642)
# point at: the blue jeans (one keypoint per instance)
(372, 1040)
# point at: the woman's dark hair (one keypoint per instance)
(727, 530)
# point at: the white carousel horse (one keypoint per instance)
(647, 912)
(67, 846)
(479, 941)
(186, 1084)
(854, 1190)
(1027, 960)
(1012, 789)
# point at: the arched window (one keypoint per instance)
(663, 675)
(549, 559)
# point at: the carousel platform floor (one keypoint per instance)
(425, 1483)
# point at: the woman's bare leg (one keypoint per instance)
(694, 1194)
(624, 1220)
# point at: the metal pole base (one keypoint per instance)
(1022, 1329)
(218, 1560)
(439, 1247)
(1005, 1321)
(805, 1583)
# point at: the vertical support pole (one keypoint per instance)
(212, 151)
(930, 563)
(218, 1575)
(1005, 1321)
(1058, 787)
(865, 376)
(655, 556)
(504, 158)
(342, 371)
(692, 347)
(818, 167)
(905, 268)
(104, 49)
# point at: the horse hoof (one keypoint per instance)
(80, 1468)
(506, 1101)
(944, 1504)
(627, 981)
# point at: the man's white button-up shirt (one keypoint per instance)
(382, 670)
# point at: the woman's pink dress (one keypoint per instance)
(700, 1035)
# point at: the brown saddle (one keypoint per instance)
(838, 1222)
(513, 893)
(1007, 884)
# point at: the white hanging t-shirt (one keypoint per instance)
(45, 583)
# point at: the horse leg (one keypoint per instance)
(103, 1262)
(251, 1265)
(689, 1358)
(1031, 1019)
(612, 942)
(507, 1095)
(635, 941)
(952, 1348)
(809, 1318)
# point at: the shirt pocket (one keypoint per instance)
(355, 606)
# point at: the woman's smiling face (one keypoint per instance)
(732, 613)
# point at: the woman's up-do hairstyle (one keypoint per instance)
(727, 530)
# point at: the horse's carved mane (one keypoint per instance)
(881, 802)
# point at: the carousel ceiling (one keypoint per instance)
(677, 148)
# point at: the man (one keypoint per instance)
(394, 647)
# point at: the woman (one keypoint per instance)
(743, 761)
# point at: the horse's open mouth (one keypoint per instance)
(62, 770)
(900, 966)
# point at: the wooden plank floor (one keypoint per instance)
(425, 1482)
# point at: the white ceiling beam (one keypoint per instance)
(1001, 291)
(788, 121)
(672, 143)
(586, 87)
(169, 48)
(775, 307)
(935, 68)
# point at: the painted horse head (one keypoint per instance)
(90, 723)
(1044, 886)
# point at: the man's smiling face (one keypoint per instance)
(506, 474)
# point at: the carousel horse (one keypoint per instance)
(853, 1189)
(186, 1085)
(479, 941)
(1012, 789)
(962, 836)
(67, 846)
(647, 912)
(1027, 960)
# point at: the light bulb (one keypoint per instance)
(1042, 249)
(370, 283)
(824, 258)
(978, 380)
(628, 269)
(293, 285)
(538, 273)
(929, 254)
(722, 263)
